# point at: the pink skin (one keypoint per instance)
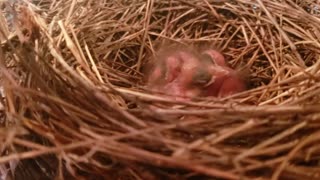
(226, 84)
(164, 71)
(231, 85)
(175, 72)
(216, 57)
(179, 85)
(178, 71)
(173, 65)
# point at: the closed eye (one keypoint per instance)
(201, 78)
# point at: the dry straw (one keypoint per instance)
(74, 105)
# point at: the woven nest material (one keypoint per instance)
(75, 106)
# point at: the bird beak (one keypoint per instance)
(219, 71)
(216, 72)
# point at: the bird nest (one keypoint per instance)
(75, 103)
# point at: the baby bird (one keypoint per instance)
(184, 74)
(224, 84)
